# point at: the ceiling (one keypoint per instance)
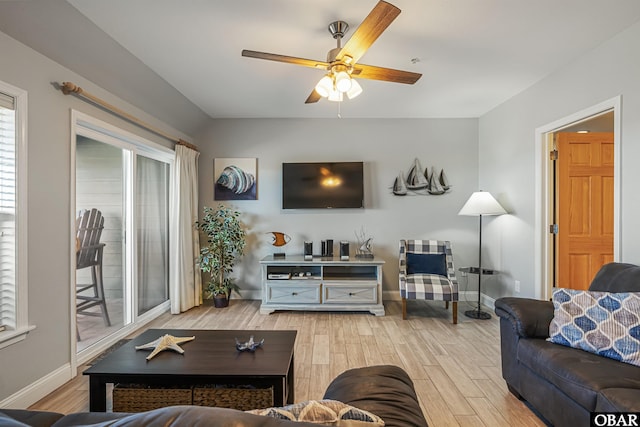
(473, 54)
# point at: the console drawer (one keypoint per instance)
(293, 294)
(340, 294)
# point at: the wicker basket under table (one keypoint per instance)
(242, 398)
(139, 398)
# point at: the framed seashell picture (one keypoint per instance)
(235, 178)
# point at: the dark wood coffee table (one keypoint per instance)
(209, 359)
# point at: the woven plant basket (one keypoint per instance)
(139, 398)
(242, 398)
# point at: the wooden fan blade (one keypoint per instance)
(287, 59)
(368, 32)
(313, 97)
(372, 72)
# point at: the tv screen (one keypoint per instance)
(322, 185)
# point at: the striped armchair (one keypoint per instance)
(428, 277)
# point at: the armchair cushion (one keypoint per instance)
(426, 264)
(430, 287)
(603, 323)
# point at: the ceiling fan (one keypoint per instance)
(341, 64)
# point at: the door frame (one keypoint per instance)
(543, 191)
(124, 139)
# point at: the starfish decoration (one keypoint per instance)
(165, 342)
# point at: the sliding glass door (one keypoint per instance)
(152, 233)
(125, 181)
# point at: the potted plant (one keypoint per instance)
(225, 244)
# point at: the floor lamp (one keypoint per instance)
(480, 203)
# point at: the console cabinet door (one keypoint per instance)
(352, 294)
(290, 293)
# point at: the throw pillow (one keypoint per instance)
(426, 264)
(603, 323)
(325, 412)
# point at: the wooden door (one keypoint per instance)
(584, 203)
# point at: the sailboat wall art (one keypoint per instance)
(422, 182)
(416, 179)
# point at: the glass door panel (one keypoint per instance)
(152, 230)
(100, 179)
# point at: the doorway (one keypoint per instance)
(583, 203)
(577, 197)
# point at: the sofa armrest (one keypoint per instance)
(24, 417)
(384, 390)
(530, 318)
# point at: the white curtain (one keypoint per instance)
(185, 281)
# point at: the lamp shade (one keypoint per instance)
(355, 90)
(335, 96)
(482, 203)
(343, 81)
(324, 86)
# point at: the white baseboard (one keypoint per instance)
(470, 296)
(464, 296)
(254, 294)
(38, 389)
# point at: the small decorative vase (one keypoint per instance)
(220, 301)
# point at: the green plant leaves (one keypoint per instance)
(225, 244)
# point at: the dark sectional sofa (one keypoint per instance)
(564, 385)
(385, 390)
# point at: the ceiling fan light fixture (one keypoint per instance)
(325, 86)
(341, 61)
(355, 90)
(335, 96)
(343, 81)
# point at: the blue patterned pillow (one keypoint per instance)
(604, 323)
(325, 412)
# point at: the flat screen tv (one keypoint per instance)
(322, 185)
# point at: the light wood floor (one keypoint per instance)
(455, 368)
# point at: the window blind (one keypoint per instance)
(7, 212)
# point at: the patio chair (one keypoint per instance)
(89, 226)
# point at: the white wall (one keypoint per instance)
(507, 151)
(43, 358)
(386, 147)
(42, 361)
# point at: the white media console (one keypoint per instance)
(326, 284)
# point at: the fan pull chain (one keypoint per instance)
(339, 104)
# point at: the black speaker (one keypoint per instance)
(330, 248)
(308, 250)
(344, 250)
